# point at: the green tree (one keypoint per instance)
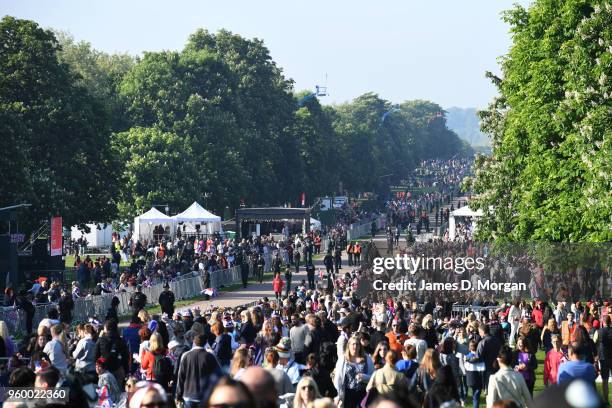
(263, 106)
(98, 72)
(549, 176)
(314, 167)
(57, 132)
(159, 168)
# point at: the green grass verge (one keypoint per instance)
(539, 385)
(70, 260)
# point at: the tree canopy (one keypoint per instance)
(54, 130)
(549, 177)
(99, 137)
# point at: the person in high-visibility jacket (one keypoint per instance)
(568, 329)
(350, 249)
(357, 254)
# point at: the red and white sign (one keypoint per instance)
(56, 236)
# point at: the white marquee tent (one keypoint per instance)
(145, 223)
(98, 236)
(460, 212)
(196, 214)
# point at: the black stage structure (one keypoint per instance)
(274, 215)
(25, 258)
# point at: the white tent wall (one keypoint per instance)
(465, 212)
(96, 238)
(136, 227)
(145, 223)
(198, 215)
(315, 224)
(205, 227)
(451, 227)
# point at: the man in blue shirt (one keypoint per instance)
(576, 367)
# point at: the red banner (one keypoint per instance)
(303, 199)
(56, 236)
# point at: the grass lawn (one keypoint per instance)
(539, 385)
(70, 259)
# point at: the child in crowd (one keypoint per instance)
(474, 371)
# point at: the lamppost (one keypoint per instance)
(206, 196)
(166, 207)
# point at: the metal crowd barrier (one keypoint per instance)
(462, 311)
(358, 231)
(187, 286)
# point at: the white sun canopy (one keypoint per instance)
(196, 213)
(153, 215)
(197, 219)
(464, 211)
(144, 224)
(315, 224)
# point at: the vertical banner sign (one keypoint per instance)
(303, 199)
(56, 236)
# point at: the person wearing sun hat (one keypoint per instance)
(228, 325)
(187, 319)
(287, 363)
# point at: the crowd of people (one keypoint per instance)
(328, 341)
(432, 186)
(321, 346)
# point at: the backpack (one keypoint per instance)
(113, 356)
(163, 369)
(410, 371)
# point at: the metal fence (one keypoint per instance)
(462, 311)
(186, 287)
(359, 230)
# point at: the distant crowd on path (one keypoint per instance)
(442, 181)
(325, 346)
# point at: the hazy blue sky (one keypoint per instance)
(413, 49)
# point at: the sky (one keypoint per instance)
(436, 50)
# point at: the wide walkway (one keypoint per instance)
(256, 291)
(381, 237)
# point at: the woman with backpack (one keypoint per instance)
(156, 364)
(387, 379)
(114, 349)
(426, 374)
(448, 358)
(222, 346)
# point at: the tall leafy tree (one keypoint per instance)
(263, 107)
(314, 167)
(98, 72)
(190, 94)
(159, 169)
(549, 176)
(57, 131)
